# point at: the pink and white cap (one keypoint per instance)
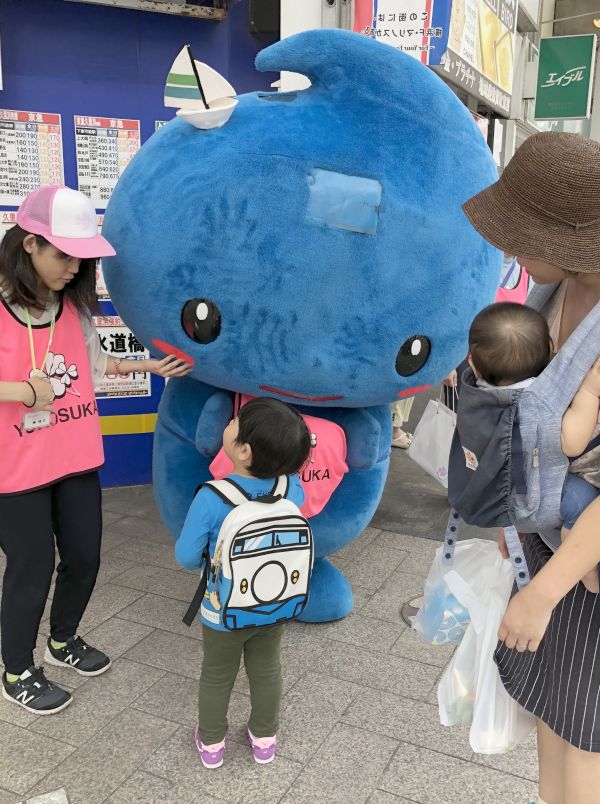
(67, 219)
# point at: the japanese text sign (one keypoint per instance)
(417, 27)
(565, 77)
(480, 53)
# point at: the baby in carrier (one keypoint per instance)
(509, 346)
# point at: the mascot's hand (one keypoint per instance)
(216, 415)
(363, 433)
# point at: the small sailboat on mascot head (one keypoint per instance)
(201, 95)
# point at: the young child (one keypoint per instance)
(50, 440)
(268, 439)
(509, 347)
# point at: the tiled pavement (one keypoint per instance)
(359, 716)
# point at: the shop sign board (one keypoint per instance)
(565, 77)
(417, 27)
(480, 53)
(119, 341)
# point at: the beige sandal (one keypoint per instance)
(403, 440)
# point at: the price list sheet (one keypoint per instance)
(105, 146)
(30, 153)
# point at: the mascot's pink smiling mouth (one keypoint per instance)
(414, 391)
(173, 350)
(292, 395)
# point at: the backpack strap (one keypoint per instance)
(228, 490)
(194, 607)
(278, 492)
(517, 556)
(513, 544)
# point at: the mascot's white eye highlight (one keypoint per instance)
(201, 320)
(413, 355)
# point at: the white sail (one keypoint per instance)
(181, 89)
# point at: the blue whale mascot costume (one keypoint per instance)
(312, 249)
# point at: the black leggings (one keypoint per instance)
(71, 510)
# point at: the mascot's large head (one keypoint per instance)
(313, 248)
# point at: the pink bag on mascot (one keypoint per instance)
(514, 284)
(325, 468)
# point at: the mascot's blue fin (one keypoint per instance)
(346, 62)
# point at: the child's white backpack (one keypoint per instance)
(260, 572)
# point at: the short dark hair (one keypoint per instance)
(277, 435)
(20, 280)
(509, 343)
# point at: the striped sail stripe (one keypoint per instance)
(182, 79)
(185, 93)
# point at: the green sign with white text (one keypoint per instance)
(565, 77)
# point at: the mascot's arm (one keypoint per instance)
(216, 415)
(363, 434)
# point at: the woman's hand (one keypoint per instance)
(451, 380)
(502, 542)
(44, 394)
(525, 620)
(169, 366)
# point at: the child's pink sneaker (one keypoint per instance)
(263, 748)
(211, 755)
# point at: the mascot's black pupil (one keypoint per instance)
(201, 320)
(413, 355)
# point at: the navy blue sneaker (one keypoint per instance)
(33, 692)
(79, 656)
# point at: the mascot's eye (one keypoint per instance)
(413, 355)
(201, 320)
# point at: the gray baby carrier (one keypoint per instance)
(506, 466)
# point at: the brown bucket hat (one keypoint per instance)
(546, 205)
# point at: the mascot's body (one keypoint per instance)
(313, 249)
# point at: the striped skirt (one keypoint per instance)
(560, 682)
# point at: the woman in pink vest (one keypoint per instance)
(50, 442)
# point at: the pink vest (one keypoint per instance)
(73, 443)
(324, 471)
(515, 293)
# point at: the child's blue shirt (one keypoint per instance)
(205, 517)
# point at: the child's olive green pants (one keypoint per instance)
(222, 654)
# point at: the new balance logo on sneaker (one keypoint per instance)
(24, 697)
(76, 653)
(35, 693)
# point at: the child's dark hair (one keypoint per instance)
(509, 343)
(20, 280)
(277, 435)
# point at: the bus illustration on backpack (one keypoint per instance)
(259, 574)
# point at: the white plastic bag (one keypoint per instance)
(470, 689)
(442, 619)
(430, 445)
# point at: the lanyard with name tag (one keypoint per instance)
(38, 419)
